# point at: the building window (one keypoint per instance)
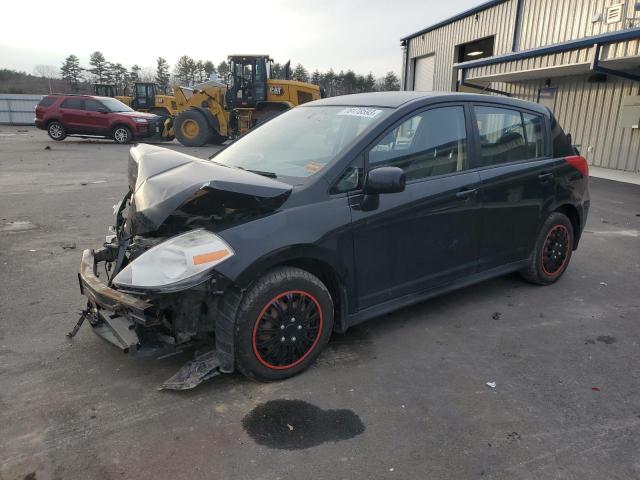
(477, 49)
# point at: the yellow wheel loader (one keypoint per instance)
(213, 112)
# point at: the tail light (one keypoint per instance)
(579, 163)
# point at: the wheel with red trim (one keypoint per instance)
(283, 323)
(552, 251)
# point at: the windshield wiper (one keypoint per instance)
(258, 172)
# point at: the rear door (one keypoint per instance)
(427, 235)
(518, 181)
(95, 119)
(73, 115)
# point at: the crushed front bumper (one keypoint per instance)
(118, 317)
(114, 315)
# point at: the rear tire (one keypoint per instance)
(286, 303)
(56, 131)
(552, 252)
(122, 134)
(191, 129)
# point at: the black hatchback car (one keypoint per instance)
(330, 214)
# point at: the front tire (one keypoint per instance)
(191, 129)
(122, 134)
(552, 251)
(282, 324)
(56, 131)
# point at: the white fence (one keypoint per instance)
(18, 109)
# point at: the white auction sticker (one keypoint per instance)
(361, 112)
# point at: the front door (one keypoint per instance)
(427, 235)
(518, 182)
(96, 121)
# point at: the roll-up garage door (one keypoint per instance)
(423, 74)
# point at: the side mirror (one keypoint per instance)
(385, 180)
(103, 110)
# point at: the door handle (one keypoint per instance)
(466, 192)
(545, 176)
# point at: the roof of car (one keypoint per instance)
(397, 99)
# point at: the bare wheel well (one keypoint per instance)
(331, 280)
(572, 212)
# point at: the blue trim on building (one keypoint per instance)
(619, 36)
(515, 46)
(460, 16)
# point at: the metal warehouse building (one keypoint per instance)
(581, 58)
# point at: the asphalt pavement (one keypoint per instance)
(404, 396)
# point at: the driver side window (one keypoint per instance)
(431, 143)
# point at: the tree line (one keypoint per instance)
(188, 71)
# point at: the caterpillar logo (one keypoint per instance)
(276, 91)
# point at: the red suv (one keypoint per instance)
(86, 115)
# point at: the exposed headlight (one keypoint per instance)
(175, 260)
(139, 120)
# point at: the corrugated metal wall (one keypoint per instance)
(590, 111)
(498, 21)
(545, 22)
(16, 109)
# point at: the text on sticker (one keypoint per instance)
(360, 112)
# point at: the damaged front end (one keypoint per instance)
(152, 288)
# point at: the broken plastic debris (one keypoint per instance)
(290, 427)
(33, 250)
(491, 384)
(595, 389)
(603, 283)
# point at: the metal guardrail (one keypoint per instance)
(18, 109)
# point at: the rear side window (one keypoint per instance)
(431, 143)
(47, 101)
(534, 135)
(74, 103)
(502, 137)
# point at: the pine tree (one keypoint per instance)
(162, 74)
(223, 71)
(369, 83)
(316, 78)
(185, 70)
(71, 71)
(300, 73)
(209, 68)
(134, 73)
(100, 66)
(119, 75)
(391, 82)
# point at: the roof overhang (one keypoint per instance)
(575, 57)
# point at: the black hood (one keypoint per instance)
(163, 181)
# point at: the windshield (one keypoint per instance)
(302, 141)
(115, 105)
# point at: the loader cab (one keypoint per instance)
(144, 96)
(105, 90)
(247, 80)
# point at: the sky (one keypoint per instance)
(362, 35)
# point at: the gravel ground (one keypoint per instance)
(404, 396)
